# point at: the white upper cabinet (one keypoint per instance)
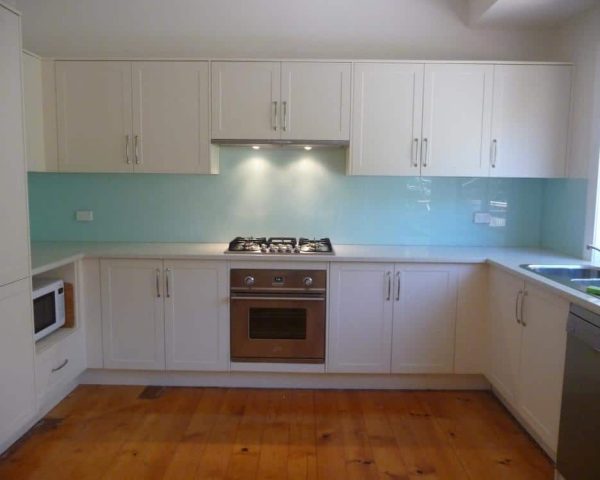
(196, 315)
(94, 116)
(530, 120)
(315, 101)
(424, 318)
(360, 320)
(14, 236)
(386, 119)
(457, 113)
(246, 100)
(171, 117)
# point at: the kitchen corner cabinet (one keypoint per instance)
(384, 318)
(255, 100)
(527, 351)
(120, 116)
(169, 315)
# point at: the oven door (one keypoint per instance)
(288, 329)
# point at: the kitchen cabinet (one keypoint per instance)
(530, 120)
(17, 395)
(256, 100)
(150, 117)
(14, 241)
(360, 318)
(386, 119)
(33, 104)
(384, 318)
(457, 114)
(527, 351)
(196, 315)
(425, 299)
(133, 335)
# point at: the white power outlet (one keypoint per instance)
(84, 215)
(482, 217)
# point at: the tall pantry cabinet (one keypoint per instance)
(17, 395)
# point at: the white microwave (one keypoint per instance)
(48, 306)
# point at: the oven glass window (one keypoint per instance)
(44, 311)
(277, 323)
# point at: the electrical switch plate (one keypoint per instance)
(84, 215)
(482, 217)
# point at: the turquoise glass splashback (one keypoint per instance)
(284, 192)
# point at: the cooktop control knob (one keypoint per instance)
(249, 281)
(307, 281)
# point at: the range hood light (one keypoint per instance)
(307, 147)
(255, 147)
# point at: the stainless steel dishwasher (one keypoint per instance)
(578, 455)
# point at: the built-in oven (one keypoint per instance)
(278, 315)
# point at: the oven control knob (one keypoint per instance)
(249, 281)
(307, 281)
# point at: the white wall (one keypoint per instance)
(424, 29)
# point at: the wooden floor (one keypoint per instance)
(109, 432)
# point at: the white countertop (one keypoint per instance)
(49, 255)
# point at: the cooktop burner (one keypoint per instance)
(281, 245)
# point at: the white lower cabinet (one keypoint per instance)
(527, 352)
(171, 316)
(17, 395)
(196, 315)
(392, 318)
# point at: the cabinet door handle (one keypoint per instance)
(127, 159)
(517, 306)
(61, 366)
(424, 152)
(284, 114)
(274, 116)
(389, 286)
(397, 286)
(415, 152)
(167, 287)
(158, 283)
(523, 322)
(135, 149)
(494, 152)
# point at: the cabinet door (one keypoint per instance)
(315, 101)
(14, 241)
(17, 395)
(457, 114)
(424, 318)
(245, 100)
(386, 119)
(542, 362)
(132, 314)
(504, 333)
(196, 315)
(170, 117)
(530, 120)
(94, 116)
(360, 319)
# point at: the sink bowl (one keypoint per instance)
(575, 276)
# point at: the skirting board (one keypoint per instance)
(285, 380)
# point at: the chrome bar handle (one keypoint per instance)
(521, 308)
(158, 283)
(61, 366)
(274, 116)
(397, 286)
(415, 152)
(494, 152)
(127, 138)
(389, 286)
(517, 306)
(284, 114)
(167, 286)
(135, 150)
(424, 152)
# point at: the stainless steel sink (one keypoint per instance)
(574, 276)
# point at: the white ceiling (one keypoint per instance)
(525, 13)
(426, 29)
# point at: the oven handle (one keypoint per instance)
(258, 297)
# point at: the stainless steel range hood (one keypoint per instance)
(281, 143)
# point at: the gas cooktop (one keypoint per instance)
(281, 245)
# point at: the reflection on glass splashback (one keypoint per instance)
(283, 192)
